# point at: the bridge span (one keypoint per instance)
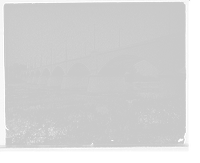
(104, 72)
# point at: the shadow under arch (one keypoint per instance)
(119, 65)
(78, 69)
(58, 72)
(46, 73)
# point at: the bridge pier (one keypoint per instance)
(74, 82)
(54, 81)
(172, 84)
(106, 84)
(42, 80)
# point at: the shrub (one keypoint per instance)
(82, 123)
(147, 111)
(18, 123)
(159, 111)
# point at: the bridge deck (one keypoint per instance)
(117, 49)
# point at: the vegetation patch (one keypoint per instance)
(83, 124)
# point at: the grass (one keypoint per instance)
(82, 124)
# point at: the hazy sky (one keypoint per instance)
(44, 29)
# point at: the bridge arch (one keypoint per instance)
(78, 69)
(46, 72)
(58, 71)
(37, 73)
(119, 65)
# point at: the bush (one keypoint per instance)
(122, 116)
(159, 111)
(82, 123)
(18, 123)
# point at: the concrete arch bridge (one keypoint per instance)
(103, 72)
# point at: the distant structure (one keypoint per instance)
(103, 72)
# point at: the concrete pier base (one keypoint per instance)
(54, 81)
(172, 84)
(42, 80)
(106, 84)
(74, 82)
